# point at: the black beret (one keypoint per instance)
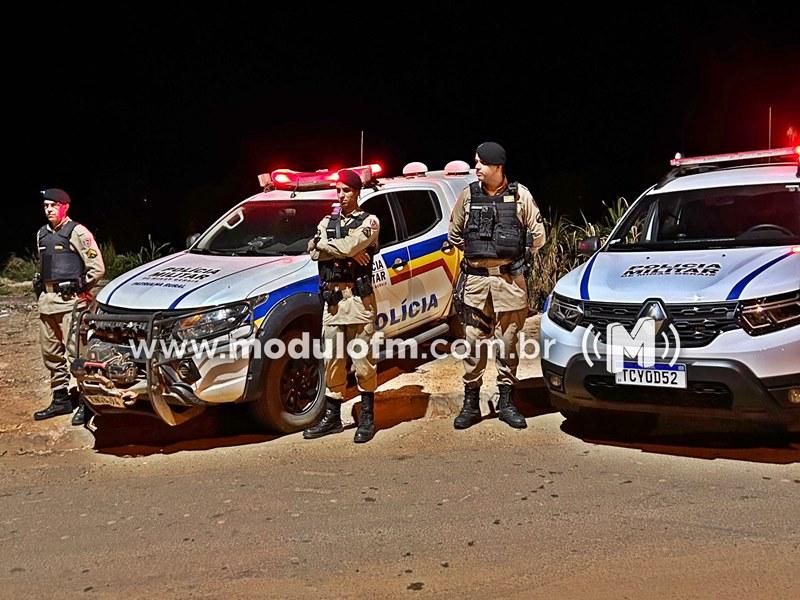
(56, 195)
(491, 153)
(350, 179)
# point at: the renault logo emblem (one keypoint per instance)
(653, 309)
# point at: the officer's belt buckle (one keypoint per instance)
(493, 270)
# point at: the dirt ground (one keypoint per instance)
(25, 383)
(408, 390)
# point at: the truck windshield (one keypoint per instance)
(759, 215)
(265, 228)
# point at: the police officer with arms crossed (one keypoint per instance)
(498, 226)
(70, 263)
(345, 244)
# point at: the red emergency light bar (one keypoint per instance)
(287, 179)
(680, 161)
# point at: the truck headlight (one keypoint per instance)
(565, 312)
(212, 322)
(766, 315)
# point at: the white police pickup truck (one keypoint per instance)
(250, 278)
(691, 307)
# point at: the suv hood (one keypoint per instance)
(186, 280)
(686, 276)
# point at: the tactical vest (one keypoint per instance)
(345, 270)
(493, 228)
(58, 260)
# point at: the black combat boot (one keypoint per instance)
(60, 405)
(80, 417)
(331, 421)
(506, 411)
(471, 411)
(366, 424)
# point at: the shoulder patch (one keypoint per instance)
(91, 253)
(366, 231)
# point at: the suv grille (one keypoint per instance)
(697, 324)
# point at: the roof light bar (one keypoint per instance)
(287, 179)
(679, 160)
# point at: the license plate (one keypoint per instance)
(659, 375)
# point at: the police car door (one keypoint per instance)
(391, 274)
(432, 258)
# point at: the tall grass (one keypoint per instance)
(559, 255)
(17, 268)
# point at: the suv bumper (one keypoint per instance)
(720, 389)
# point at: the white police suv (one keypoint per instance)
(692, 305)
(166, 337)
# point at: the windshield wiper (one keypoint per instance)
(204, 251)
(247, 252)
(631, 247)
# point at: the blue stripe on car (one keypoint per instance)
(585, 278)
(739, 287)
(426, 247)
(309, 285)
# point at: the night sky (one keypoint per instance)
(157, 122)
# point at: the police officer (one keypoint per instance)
(345, 244)
(498, 226)
(69, 265)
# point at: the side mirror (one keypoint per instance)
(589, 246)
(192, 239)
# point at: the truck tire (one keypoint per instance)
(292, 397)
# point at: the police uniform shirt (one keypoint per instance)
(508, 292)
(84, 243)
(351, 310)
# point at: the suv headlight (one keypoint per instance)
(565, 312)
(766, 315)
(212, 322)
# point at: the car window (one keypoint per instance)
(379, 206)
(726, 217)
(272, 228)
(420, 210)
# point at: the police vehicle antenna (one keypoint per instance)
(769, 129)
(361, 161)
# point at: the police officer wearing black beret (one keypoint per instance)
(498, 226)
(345, 244)
(70, 264)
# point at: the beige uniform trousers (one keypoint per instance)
(58, 350)
(336, 338)
(504, 328)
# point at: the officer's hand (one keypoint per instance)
(312, 244)
(362, 258)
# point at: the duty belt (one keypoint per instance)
(52, 286)
(331, 292)
(513, 268)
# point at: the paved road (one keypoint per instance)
(422, 511)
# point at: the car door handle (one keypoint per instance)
(399, 263)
